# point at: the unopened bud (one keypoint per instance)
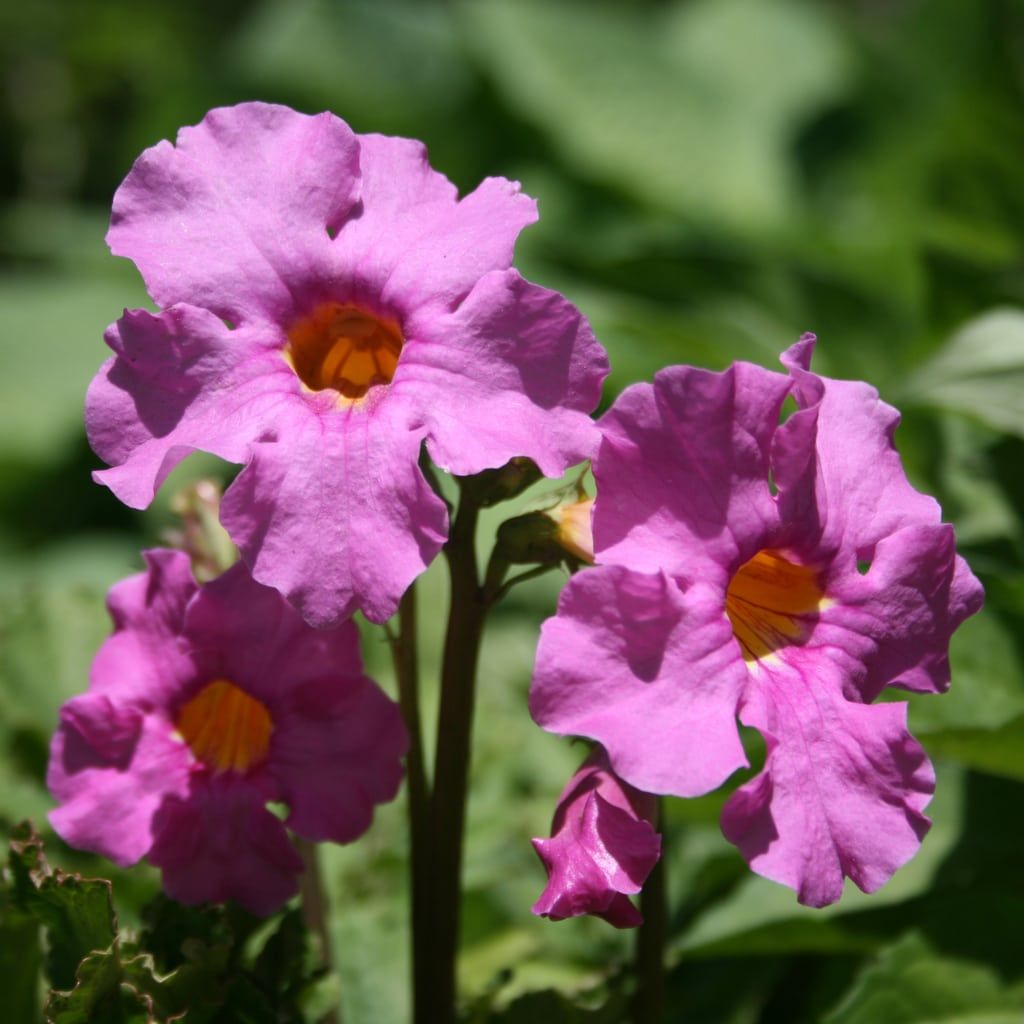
(493, 486)
(572, 528)
(554, 536)
(200, 535)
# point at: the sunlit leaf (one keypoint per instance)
(979, 372)
(910, 984)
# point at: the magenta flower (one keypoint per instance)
(205, 704)
(602, 847)
(785, 574)
(330, 304)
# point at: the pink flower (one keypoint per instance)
(205, 704)
(728, 585)
(329, 306)
(602, 847)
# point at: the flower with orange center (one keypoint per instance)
(729, 549)
(329, 307)
(205, 704)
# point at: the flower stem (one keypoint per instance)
(404, 652)
(466, 615)
(651, 937)
(315, 912)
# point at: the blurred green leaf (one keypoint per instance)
(997, 751)
(979, 372)
(987, 689)
(691, 106)
(384, 67)
(52, 341)
(910, 984)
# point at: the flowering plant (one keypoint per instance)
(336, 320)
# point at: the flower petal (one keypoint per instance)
(842, 792)
(438, 253)
(898, 619)
(221, 843)
(109, 794)
(682, 471)
(650, 672)
(235, 215)
(262, 642)
(336, 753)
(337, 516)
(143, 663)
(513, 371)
(181, 381)
(839, 475)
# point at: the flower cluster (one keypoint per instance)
(331, 314)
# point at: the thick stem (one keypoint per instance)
(404, 651)
(454, 730)
(651, 938)
(315, 912)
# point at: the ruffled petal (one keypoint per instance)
(262, 641)
(234, 217)
(515, 370)
(842, 793)
(143, 663)
(338, 515)
(220, 843)
(682, 471)
(335, 754)
(181, 382)
(898, 619)
(650, 672)
(111, 780)
(414, 243)
(839, 476)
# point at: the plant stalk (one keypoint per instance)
(651, 939)
(316, 914)
(406, 659)
(466, 615)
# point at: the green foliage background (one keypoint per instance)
(714, 177)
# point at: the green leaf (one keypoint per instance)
(77, 912)
(987, 689)
(690, 106)
(386, 67)
(20, 961)
(979, 372)
(910, 984)
(100, 996)
(997, 751)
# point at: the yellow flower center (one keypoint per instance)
(340, 346)
(771, 603)
(225, 728)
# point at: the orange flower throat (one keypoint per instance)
(772, 603)
(340, 346)
(225, 728)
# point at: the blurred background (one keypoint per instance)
(714, 178)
